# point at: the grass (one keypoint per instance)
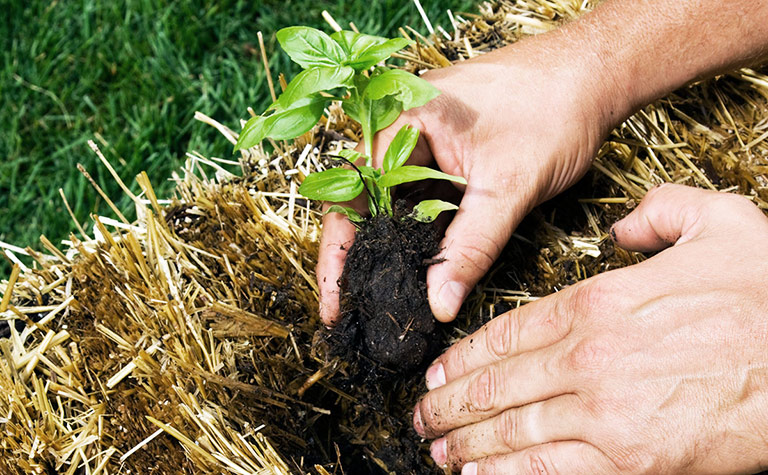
(130, 74)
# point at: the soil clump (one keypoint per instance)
(385, 314)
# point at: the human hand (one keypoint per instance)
(520, 124)
(660, 367)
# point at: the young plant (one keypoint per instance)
(343, 184)
(345, 67)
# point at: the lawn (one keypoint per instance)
(129, 74)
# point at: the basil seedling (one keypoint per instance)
(345, 67)
(328, 185)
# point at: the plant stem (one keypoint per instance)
(368, 132)
(368, 147)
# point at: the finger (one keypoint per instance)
(572, 457)
(553, 420)
(490, 390)
(338, 235)
(530, 327)
(674, 214)
(335, 241)
(481, 228)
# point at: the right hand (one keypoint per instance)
(521, 124)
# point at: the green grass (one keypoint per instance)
(134, 72)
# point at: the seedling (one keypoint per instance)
(345, 67)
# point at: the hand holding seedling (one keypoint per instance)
(387, 325)
(661, 367)
(519, 131)
(348, 63)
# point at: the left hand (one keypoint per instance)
(661, 367)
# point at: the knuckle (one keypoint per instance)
(590, 355)
(733, 201)
(502, 335)
(507, 428)
(591, 296)
(538, 461)
(455, 359)
(456, 441)
(480, 252)
(482, 390)
(661, 187)
(430, 416)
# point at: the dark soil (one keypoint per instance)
(387, 335)
(385, 314)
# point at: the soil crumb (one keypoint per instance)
(385, 314)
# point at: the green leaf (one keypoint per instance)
(313, 80)
(302, 116)
(310, 47)
(400, 149)
(427, 210)
(252, 134)
(336, 184)
(403, 86)
(372, 115)
(350, 155)
(409, 173)
(354, 43)
(384, 112)
(350, 213)
(364, 51)
(374, 54)
(283, 124)
(369, 172)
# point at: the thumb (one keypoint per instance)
(481, 228)
(672, 214)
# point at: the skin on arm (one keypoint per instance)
(545, 105)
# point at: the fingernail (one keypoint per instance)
(451, 296)
(418, 424)
(439, 451)
(435, 376)
(469, 469)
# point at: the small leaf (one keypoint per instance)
(252, 134)
(350, 213)
(400, 148)
(301, 117)
(428, 210)
(384, 112)
(403, 86)
(375, 54)
(364, 51)
(354, 43)
(369, 172)
(310, 47)
(336, 184)
(350, 155)
(282, 124)
(409, 173)
(313, 80)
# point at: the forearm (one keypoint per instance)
(650, 48)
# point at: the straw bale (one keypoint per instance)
(185, 342)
